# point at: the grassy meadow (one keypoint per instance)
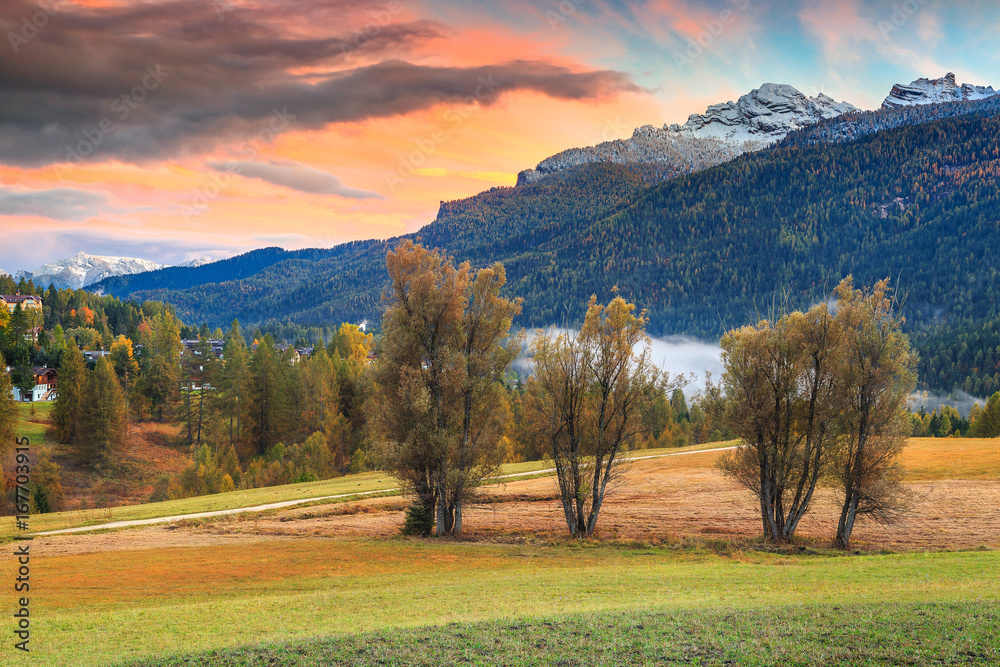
(157, 603)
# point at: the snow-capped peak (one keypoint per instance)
(764, 115)
(935, 91)
(83, 269)
(723, 132)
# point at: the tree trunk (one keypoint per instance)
(201, 404)
(845, 526)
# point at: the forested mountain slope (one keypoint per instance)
(506, 224)
(704, 252)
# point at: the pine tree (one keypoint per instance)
(103, 418)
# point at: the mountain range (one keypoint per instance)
(909, 191)
(83, 270)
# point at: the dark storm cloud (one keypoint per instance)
(151, 81)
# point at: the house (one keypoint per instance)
(191, 346)
(28, 302)
(46, 381)
(94, 355)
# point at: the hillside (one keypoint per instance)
(703, 252)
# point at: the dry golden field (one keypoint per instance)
(955, 486)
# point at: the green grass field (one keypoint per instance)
(106, 608)
(807, 635)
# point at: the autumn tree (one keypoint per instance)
(265, 399)
(66, 412)
(352, 343)
(433, 406)
(236, 359)
(102, 420)
(875, 383)
(778, 394)
(585, 404)
(986, 424)
(320, 406)
(162, 340)
(126, 367)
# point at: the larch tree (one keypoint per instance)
(876, 381)
(126, 367)
(265, 400)
(235, 360)
(73, 380)
(433, 407)
(162, 340)
(102, 417)
(585, 404)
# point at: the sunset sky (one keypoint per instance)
(184, 128)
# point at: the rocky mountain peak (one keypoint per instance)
(765, 115)
(935, 91)
(725, 131)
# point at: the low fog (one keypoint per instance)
(677, 355)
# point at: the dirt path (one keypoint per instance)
(301, 501)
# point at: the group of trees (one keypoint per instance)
(251, 414)
(439, 409)
(819, 397)
(982, 421)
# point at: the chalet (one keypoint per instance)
(94, 355)
(28, 302)
(191, 347)
(46, 380)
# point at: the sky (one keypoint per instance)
(176, 129)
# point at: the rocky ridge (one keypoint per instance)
(935, 91)
(82, 270)
(725, 131)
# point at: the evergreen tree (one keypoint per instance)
(103, 419)
(987, 424)
(8, 410)
(162, 380)
(72, 389)
(235, 363)
(265, 394)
